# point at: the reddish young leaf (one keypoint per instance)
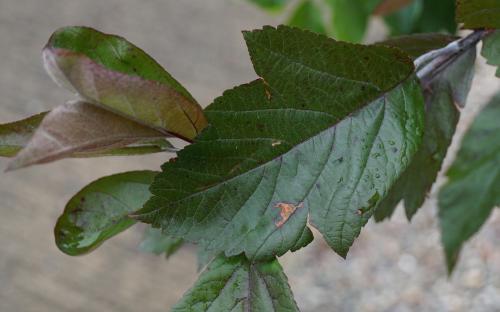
(79, 130)
(108, 71)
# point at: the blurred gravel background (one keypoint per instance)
(393, 266)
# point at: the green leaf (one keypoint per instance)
(371, 5)
(111, 72)
(349, 19)
(83, 130)
(418, 44)
(423, 16)
(235, 284)
(15, 135)
(446, 91)
(158, 243)
(325, 132)
(307, 15)
(438, 16)
(472, 191)
(478, 13)
(100, 211)
(405, 20)
(491, 50)
(271, 4)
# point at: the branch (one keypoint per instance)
(429, 65)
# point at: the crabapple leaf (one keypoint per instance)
(322, 136)
(472, 190)
(81, 129)
(100, 211)
(236, 284)
(109, 71)
(445, 93)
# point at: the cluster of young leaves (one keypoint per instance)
(127, 104)
(329, 134)
(347, 20)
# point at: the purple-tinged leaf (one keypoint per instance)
(82, 130)
(15, 135)
(109, 71)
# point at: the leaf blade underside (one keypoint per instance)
(111, 72)
(277, 149)
(447, 91)
(14, 136)
(472, 190)
(81, 129)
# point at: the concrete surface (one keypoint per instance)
(392, 267)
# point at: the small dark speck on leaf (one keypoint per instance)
(394, 150)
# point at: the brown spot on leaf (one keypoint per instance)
(286, 210)
(275, 143)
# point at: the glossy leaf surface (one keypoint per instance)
(325, 133)
(478, 13)
(111, 72)
(83, 130)
(448, 90)
(235, 284)
(100, 211)
(472, 191)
